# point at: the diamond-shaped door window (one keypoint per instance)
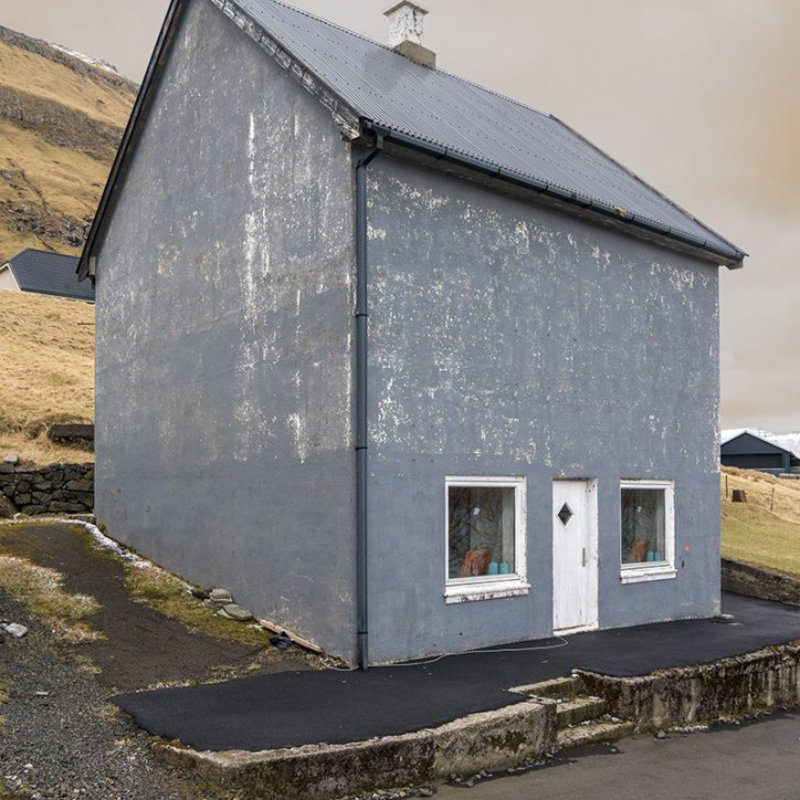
(566, 514)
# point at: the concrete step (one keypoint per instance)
(579, 709)
(598, 732)
(556, 688)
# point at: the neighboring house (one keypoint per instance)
(45, 273)
(409, 367)
(746, 450)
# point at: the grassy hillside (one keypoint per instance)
(46, 373)
(61, 120)
(766, 530)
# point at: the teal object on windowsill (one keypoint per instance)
(493, 568)
(504, 568)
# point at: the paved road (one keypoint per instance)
(758, 761)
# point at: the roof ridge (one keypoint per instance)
(336, 25)
(386, 47)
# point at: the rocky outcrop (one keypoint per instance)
(73, 62)
(60, 125)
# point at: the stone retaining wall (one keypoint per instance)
(759, 582)
(724, 690)
(54, 489)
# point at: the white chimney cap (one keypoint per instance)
(405, 23)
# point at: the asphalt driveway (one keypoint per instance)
(295, 708)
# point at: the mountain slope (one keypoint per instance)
(61, 120)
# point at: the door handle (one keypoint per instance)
(583, 557)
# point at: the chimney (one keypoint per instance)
(405, 32)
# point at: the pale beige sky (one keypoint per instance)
(699, 97)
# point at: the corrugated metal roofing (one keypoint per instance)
(437, 107)
(49, 273)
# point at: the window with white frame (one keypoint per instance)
(485, 538)
(647, 540)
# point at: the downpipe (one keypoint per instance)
(362, 428)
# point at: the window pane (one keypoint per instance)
(481, 531)
(643, 526)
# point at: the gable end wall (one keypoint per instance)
(224, 322)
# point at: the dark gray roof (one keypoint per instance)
(749, 443)
(49, 273)
(391, 91)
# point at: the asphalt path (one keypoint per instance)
(755, 761)
(290, 709)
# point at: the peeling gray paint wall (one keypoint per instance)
(224, 320)
(510, 339)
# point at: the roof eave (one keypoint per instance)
(739, 256)
(732, 258)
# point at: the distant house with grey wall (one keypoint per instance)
(43, 272)
(408, 366)
(748, 450)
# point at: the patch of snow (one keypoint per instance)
(94, 62)
(107, 543)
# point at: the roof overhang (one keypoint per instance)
(132, 129)
(640, 226)
(354, 128)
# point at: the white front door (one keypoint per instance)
(574, 555)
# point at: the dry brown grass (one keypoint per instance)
(54, 165)
(61, 182)
(35, 74)
(46, 373)
(765, 530)
(42, 591)
(779, 496)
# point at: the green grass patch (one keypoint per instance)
(169, 596)
(750, 533)
(7, 794)
(41, 590)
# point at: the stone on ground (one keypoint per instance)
(237, 612)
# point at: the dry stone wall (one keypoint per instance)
(54, 489)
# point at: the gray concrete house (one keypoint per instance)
(409, 367)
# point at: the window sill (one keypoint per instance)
(487, 590)
(662, 572)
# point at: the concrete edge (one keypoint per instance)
(483, 741)
(731, 688)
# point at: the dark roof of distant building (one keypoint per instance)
(749, 442)
(381, 89)
(49, 273)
